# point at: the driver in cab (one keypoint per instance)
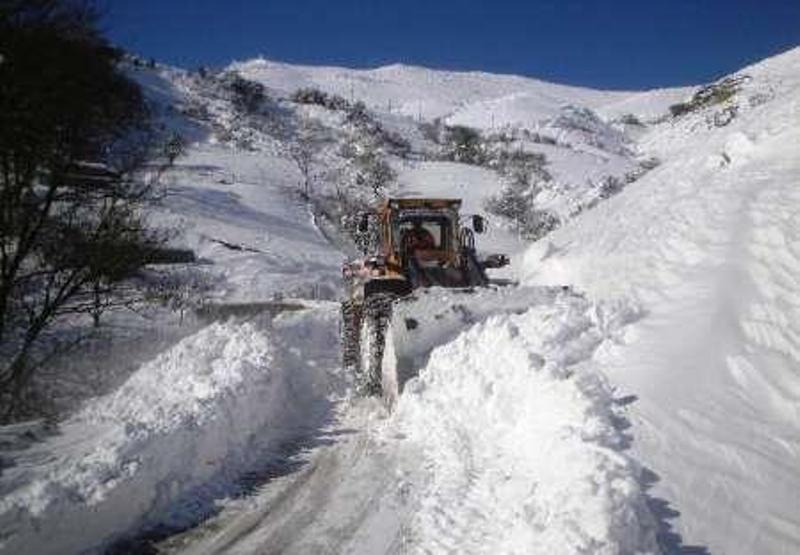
(418, 238)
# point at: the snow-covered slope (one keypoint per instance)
(426, 93)
(414, 91)
(709, 245)
(237, 209)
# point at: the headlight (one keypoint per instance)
(377, 262)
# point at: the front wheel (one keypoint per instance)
(352, 312)
(372, 340)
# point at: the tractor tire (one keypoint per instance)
(376, 314)
(352, 313)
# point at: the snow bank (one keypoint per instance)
(177, 434)
(709, 244)
(521, 441)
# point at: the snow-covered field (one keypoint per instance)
(651, 406)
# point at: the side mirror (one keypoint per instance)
(478, 223)
(363, 223)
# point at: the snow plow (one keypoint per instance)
(411, 245)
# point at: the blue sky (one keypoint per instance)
(623, 44)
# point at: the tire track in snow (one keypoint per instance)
(349, 497)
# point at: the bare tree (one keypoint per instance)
(73, 131)
(174, 147)
(303, 148)
(374, 172)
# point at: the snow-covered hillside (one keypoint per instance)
(639, 392)
(709, 245)
(428, 94)
(562, 123)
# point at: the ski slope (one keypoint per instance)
(650, 406)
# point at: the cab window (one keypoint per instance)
(437, 227)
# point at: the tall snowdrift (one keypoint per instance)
(176, 435)
(709, 244)
(521, 439)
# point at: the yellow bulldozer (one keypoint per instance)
(412, 243)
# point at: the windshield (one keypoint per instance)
(431, 231)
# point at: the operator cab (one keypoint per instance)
(428, 247)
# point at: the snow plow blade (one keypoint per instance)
(435, 316)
